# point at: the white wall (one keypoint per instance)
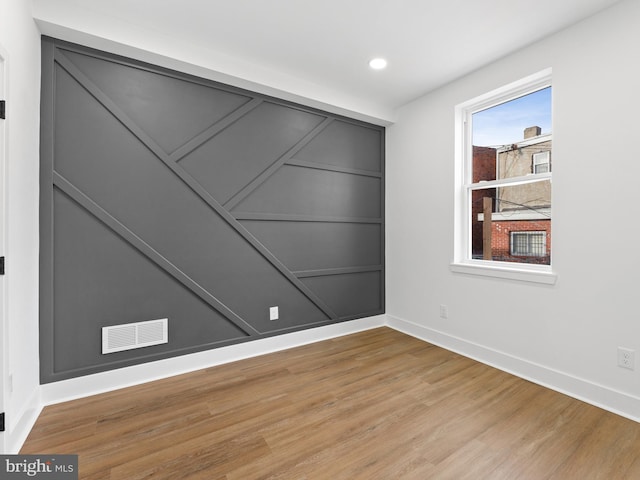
(19, 39)
(565, 335)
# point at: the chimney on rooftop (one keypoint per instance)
(532, 132)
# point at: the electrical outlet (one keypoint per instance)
(273, 313)
(626, 358)
(444, 311)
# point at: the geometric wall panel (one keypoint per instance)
(298, 190)
(320, 245)
(169, 196)
(227, 162)
(344, 144)
(350, 293)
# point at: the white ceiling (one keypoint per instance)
(328, 43)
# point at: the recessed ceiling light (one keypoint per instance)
(378, 63)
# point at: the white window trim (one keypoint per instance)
(462, 261)
(533, 273)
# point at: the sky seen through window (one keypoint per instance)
(504, 124)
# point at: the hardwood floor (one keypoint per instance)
(373, 405)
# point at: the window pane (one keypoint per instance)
(505, 123)
(520, 223)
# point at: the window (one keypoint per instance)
(503, 182)
(530, 244)
(541, 163)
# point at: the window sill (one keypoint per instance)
(532, 273)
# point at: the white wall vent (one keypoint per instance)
(117, 338)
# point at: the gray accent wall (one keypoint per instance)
(164, 195)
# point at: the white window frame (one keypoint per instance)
(463, 261)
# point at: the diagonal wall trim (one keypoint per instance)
(85, 202)
(191, 182)
(283, 217)
(260, 179)
(214, 129)
(337, 271)
(332, 168)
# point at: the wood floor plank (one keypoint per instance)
(376, 405)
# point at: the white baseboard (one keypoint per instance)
(26, 419)
(65, 390)
(600, 396)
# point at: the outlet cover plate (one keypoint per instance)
(626, 358)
